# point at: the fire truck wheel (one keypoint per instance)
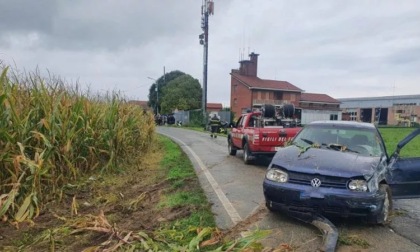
(268, 110)
(288, 110)
(231, 149)
(247, 154)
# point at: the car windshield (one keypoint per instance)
(360, 141)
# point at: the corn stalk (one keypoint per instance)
(51, 134)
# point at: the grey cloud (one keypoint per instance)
(26, 15)
(86, 25)
(406, 57)
(337, 47)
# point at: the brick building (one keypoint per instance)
(214, 106)
(248, 91)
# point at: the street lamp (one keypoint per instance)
(157, 94)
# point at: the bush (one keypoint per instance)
(196, 118)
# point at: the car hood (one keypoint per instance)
(326, 162)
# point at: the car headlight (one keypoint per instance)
(277, 175)
(358, 185)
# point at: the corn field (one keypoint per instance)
(51, 134)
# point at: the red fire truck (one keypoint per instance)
(263, 132)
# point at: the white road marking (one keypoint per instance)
(233, 214)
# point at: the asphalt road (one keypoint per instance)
(235, 191)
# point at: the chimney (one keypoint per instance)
(254, 59)
(249, 67)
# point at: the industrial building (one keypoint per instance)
(402, 110)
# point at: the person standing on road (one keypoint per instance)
(214, 125)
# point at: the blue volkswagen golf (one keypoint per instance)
(340, 168)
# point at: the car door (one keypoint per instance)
(404, 172)
(237, 132)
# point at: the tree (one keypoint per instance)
(161, 83)
(182, 93)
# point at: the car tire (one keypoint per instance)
(383, 216)
(247, 154)
(268, 110)
(288, 110)
(267, 205)
(231, 149)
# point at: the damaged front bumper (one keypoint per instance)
(306, 200)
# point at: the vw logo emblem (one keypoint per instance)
(316, 182)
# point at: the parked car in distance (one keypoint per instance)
(340, 168)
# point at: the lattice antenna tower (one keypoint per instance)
(207, 9)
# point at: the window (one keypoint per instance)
(234, 88)
(240, 121)
(278, 95)
(252, 121)
(333, 117)
(353, 116)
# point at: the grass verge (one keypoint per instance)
(392, 136)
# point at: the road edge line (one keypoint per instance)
(231, 211)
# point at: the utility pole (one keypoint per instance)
(157, 97)
(207, 9)
(164, 80)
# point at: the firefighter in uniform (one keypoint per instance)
(214, 125)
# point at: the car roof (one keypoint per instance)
(347, 124)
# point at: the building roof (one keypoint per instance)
(257, 83)
(379, 101)
(373, 98)
(217, 106)
(312, 97)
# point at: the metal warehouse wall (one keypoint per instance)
(185, 117)
(376, 102)
(317, 115)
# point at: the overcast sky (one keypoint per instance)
(339, 47)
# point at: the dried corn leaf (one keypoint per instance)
(23, 211)
(92, 249)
